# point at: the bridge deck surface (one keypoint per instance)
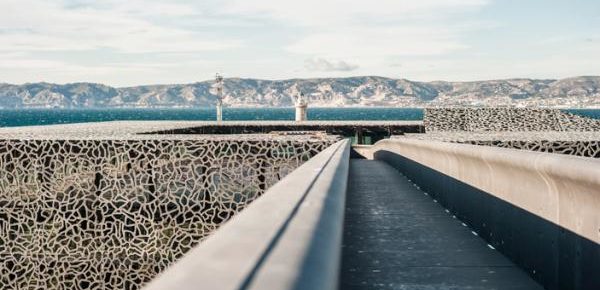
(396, 237)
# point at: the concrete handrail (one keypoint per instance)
(564, 190)
(289, 238)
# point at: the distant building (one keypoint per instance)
(301, 107)
(219, 91)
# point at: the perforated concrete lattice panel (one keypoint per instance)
(505, 119)
(534, 129)
(110, 213)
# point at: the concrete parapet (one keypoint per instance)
(289, 238)
(541, 210)
(586, 144)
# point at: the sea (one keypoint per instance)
(29, 117)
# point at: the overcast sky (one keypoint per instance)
(136, 42)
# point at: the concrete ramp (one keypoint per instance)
(397, 237)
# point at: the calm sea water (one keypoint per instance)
(591, 113)
(26, 117)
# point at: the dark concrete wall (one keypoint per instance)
(361, 132)
(554, 256)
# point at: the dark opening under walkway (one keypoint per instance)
(396, 237)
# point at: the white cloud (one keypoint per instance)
(374, 42)
(320, 64)
(333, 35)
(15, 60)
(148, 41)
(124, 26)
(112, 41)
(369, 30)
(336, 12)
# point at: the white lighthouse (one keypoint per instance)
(218, 86)
(301, 107)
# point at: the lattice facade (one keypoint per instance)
(542, 130)
(576, 148)
(111, 214)
(505, 119)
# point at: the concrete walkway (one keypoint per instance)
(396, 237)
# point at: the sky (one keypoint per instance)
(137, 42)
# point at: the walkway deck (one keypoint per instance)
(396, 237)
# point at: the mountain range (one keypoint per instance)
(322, 92)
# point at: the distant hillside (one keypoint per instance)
(323, 92)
